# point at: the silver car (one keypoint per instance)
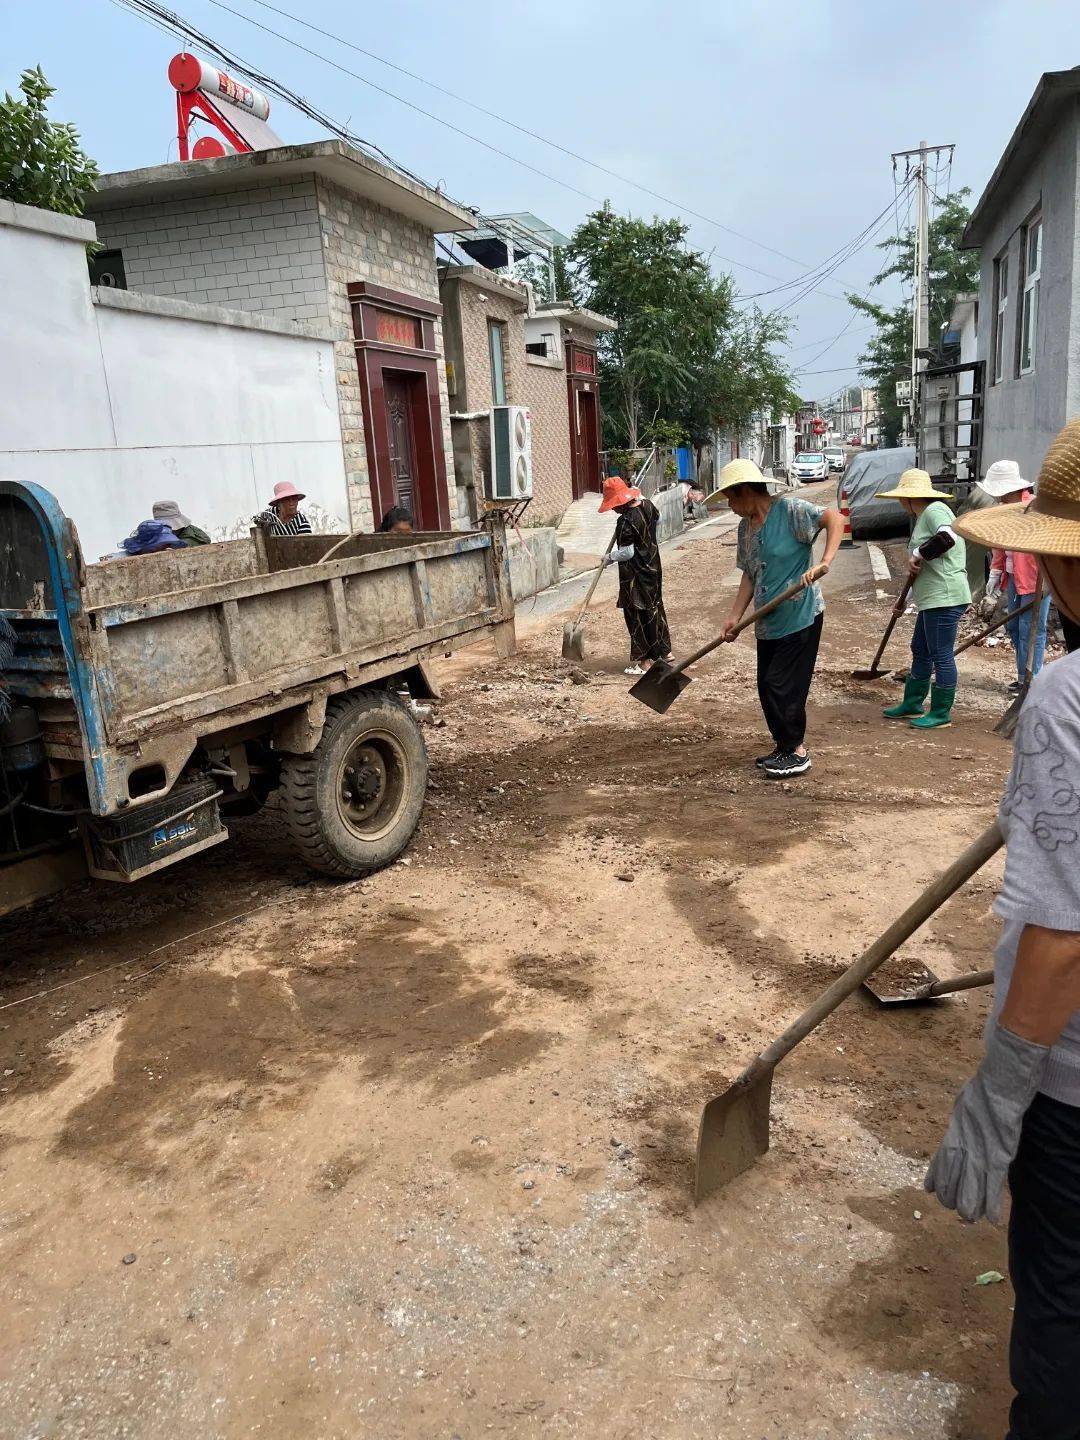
(868, 473)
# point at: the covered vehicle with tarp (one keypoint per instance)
(868, 473)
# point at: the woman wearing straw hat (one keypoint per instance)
(641, 577)
(775, 549)
(1020, 1114)
(1016, 572)
(937, 564)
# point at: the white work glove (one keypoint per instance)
(618, 554)
(991, 601)
(968, 1172)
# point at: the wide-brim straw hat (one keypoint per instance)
(617, 492)
(738, 472)
(913, 485)
(1003, 478)
(1050, 523)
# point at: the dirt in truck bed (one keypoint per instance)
(411, 1156)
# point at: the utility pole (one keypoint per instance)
(920, 299)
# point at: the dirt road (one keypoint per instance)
(410, 1157)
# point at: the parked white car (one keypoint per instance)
(835, 456)
(810, 465)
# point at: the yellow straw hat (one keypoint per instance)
(913, 485)
(1049, 524)
(738, 472)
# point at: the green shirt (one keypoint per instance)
(942, 581)
(774, 557)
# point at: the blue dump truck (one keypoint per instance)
(150, 698)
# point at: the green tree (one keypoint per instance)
(536, 272)
(683, 355)
(953, 272)
(41, 161)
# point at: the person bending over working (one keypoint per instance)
(641, 578)
(396, 521)
(283, 515)
(1020, 1114)
(775, 549)
(169, 513)
(937, 565)
(1016, 573)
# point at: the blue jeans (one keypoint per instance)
(933, 643)
(1020, 629)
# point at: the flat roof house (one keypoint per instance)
(1027, 226)
(317, 233)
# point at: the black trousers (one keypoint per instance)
(649, 637)
(785, 668)
(1044, 1265)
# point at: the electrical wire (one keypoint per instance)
(174, 24)
(505, 120)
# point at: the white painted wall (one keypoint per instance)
(113, 400)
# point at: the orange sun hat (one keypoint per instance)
(617, 492)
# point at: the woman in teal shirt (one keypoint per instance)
(775, 549)
(937, 564)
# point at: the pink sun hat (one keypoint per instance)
(285, 490)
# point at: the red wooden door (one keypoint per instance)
(590, 441)
(398, 392)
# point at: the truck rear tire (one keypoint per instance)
(353, 804)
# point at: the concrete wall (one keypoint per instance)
(534, 565)
(113, 400)
(258, 248)
(365, 241)
(1024, 412)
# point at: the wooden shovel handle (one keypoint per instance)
(595, 581)
(1033, 632)
(917, 913)
(965, 982)
(754, 615)
(996, 625)
(898, 607)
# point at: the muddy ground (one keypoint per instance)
(411, 1156)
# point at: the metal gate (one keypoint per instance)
(949, 425)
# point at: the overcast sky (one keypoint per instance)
(775, 120)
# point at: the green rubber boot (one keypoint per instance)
(915, 692)
(940, 712)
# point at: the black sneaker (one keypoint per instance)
(1015, 687)
(782, 767)
(763, 760)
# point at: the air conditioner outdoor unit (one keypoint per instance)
(511, 453)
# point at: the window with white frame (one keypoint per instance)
(1030, 269)
(1001, 309)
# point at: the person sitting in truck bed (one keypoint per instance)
(283, 515)
(396, 521)
(169, 513)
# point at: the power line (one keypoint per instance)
(504, 120)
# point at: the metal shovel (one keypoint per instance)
(662, 684)
(979, 635)
(917, 982)
(874, 673)
(734, 1129)
(1006, 726)
(573, 636)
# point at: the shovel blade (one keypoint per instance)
(1006, 726)
(660, 686)
(870, 674)
(901, 983)
(573, 641)
(733, 1134)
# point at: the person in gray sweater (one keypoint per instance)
(1019, 1116)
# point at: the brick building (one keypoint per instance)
(501, 349)
(318, 233)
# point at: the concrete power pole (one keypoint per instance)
(920, 318)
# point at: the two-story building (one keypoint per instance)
(321, 234)
(1027, 227)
